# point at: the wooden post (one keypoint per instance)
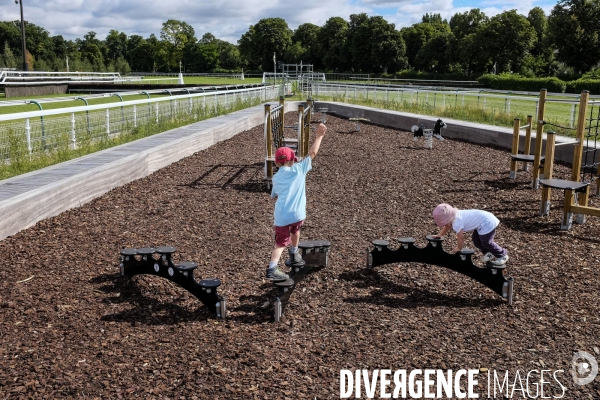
(301, 130)
(538, 140)
(311, 105)
(527, 148)
(578, 151)
(268, 143)
(515, 148)
(577, 198)
(548, 166)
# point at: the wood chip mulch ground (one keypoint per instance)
(72, 327)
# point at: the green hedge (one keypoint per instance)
(517, 83)
(593, 85)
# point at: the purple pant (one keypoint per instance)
(486, 244)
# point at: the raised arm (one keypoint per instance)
(314, 149)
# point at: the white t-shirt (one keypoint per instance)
(475, 220)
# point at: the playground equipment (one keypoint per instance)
(159, 262)
(523, 157)
(323, 111)
(315, 255)
(429, 134)
(585, 168)
(274, 132)
(358, 120)
(490, 276)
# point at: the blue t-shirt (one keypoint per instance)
(289, 185)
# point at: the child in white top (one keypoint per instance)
(482, 223)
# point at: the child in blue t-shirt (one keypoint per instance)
(289, 186)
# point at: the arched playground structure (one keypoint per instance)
(585, 162)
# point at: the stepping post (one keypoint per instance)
(315, 255)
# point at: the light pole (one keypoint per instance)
(23, 47)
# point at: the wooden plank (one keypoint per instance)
(585, 210)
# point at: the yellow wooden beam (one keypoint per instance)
(585, 210)
(537, 155)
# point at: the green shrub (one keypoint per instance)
(593, 85)
(518, 83)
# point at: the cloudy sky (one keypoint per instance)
(229, 19)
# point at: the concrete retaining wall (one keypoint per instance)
(469, 131)
(25, 90)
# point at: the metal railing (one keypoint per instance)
(67, 128)
(43, 77)
(560, 108)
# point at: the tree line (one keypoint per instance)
(564, 43)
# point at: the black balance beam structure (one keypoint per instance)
(462, 262)
(151, 261)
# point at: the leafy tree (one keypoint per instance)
(508, 39)
(434, 56)
(117, 45)
(463, 50)
(387, 48)
(229, 57)
(10, 34)
(268, 36)
(92, 50)
(574, 30)
(541, 58)
(205, 57)
(207, 38)
(418, 35)
(467, 23)
(433, 19)
(175, 35)
(141, 57)
(294, 53)
(9, 58)
(332, 44)
(306, 37)
(359, 42)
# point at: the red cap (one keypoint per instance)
(285, 154)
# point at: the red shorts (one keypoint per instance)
(282, 233)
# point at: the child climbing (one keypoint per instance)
(482, 223)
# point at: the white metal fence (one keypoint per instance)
(560, 107)
(44, 77)
(67, 128)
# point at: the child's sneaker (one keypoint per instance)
(295, 259)
(488, 257)
(501, 260)
(275, 274)
(438, 136)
